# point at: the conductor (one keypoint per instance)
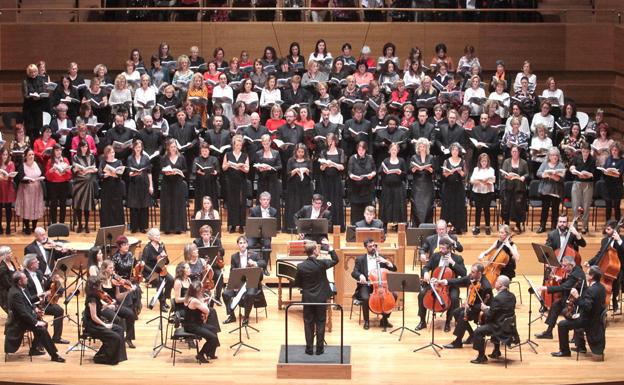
(312, 279)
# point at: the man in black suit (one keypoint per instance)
(502, 307)
(243, 259)
(455, 262)
(22, 317)
(422, 127)
(557, 237)
(369, 221)
(364, 264)
(575, 278)
(472, 312)
(263, 210)
(313, 211)
(430, 246)
(43, 248)
(119, 133)
(591, 305)
(38, 288)
(207, 240)
(312, 279)
(611, 239)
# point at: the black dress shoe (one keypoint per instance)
(35, 352)
(488, 231)
(540, 229)
(366, 326)
(495, 354)
(422, 325)
(388, 324)
(231, 229)
(57, 358)
(201, 358)
(546, 335)
(561, 354)
(130, 344)
(467, 341)
(320, 351)
(479, 360)
(213, 357)
(447, 327)
(581, 350)
(230, 319)
(453, 345)
(309, 351)
(60, 341)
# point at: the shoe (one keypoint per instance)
(366, 325)
(87, 229)
(540, 229)
(60, 341)
(467, 341)
(422, 325)
(213, 357)
(130, 344)
(27, 231)
(201, 358)
(479, 360)
(57, 358)
(79, 230)
(133, 231)
(309, 351)
(453, 345)
(447, 327)
(8, 231)
(388, 324)
(495, 354)
(230, 319)
(476, 231)
(581, 350)
(164, 307)
(231, 229)
(320, 351)
(488, 231)
(543, 309)
(546, 335)
(561, 354)
(241, 230)
(35, 352)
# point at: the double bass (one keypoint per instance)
(438, 299)
(381, 300)
(610, 265)
(495, 261)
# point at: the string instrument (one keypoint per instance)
(118, 281)
(207, 279)
(438, 299)
(473, 294)
(163, 254)
(381, 300)
(219, 260)
(16, 263)
(610, 264)
(570, 311)
(495, 261)
(137, 272)
(55, 292)
(104, 296)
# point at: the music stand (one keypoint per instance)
(241, 279)
(416, 237)
(546, 256)
(75, 294)
(261, 228)
(163, 345)
(153, 275)
(107, 235)
(196, 224)
(308, 226)
(364, 233)
(63, 265)
(432, 344)
(405, 283)
(532, 292)
(209, 253)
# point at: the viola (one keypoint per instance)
(473, 294)
(219, 261)
(104, 296)
(137, 272)
(609, 263)
(494, 262)
(55, 292)
(118, 281)
(207, 279)
(438, 299)
(381, 300)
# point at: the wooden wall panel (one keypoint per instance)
(589, 47)
(618, 49)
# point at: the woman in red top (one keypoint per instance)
(305, 120)
(42, 143)
(7, 189)
(211, 77)
(275, 121)
(58, 174)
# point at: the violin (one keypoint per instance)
(570, 311)
(104, 296)
(219, 261)
(55, 292)
(438, 299)
(163, 255)
(15, 262)
(118, 281)
(381, 300)
(473, 294)
(137, 272)
(610, 264)
(495, 262)
(207, 279)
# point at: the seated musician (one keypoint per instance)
(113, 349)
(243, 259)
(110, 285)
(369, 221)
(23, 317)
(181, 284)
(312, 279)
(590, 304)
(124, 263)
(196, 312)
(153, 252)
(611, 239)
(431, 243)
(207, 240)
(470, 311)
(46, 250)
(508, 247)
(455, 262)
(196, 264)
(364, 264)
(502, 307)
(7, 268)
(574, 279)
(313, 211)
(38, 289)
(263, 210)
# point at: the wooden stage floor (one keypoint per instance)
(377, 357)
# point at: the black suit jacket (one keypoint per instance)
(361, 267)
(574, 279)
(604, 243)
(485, 291)
(591, 305)
(375, 224)
(459, 268)
(235, 262)
(32, 248)
(256, 212)
(22, 317)
(553, 240)
(31, 289)
(312, 278)
(502, 306)
(431, 243)
(306, 211)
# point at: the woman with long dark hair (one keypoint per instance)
(195, 312)
(140, 187)
(7, 188)
(84, 185)
(112, 189)
(332, 166)
(298, 184)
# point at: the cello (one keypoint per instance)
(381, 300)
(609, 263)
(495, 261)
(438, 299)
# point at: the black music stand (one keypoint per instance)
(405, 283)
(312, 228)
(106, 236)
(261, 228)
(163, 342)
(241, 279)
(153, 275)
(416, 237)
(546, 256)
(75, 294)
(532, 292)
(432, 344)
(209, 253)
(215, 225)
(62, 266)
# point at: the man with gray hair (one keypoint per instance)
(263, 210)
(502, 307)
(45, 251)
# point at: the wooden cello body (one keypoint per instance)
(610, 265)
(381, 300)
(438, 299)
(496, 261)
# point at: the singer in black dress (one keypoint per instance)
(235, 168)
(173, 191)
(112, 190)
(269, 177)
(332, 186)
(454, 190)
(361, 171)
(140, 187)
(393, 193)
(206, 172)
(298, 185)
(421, 166)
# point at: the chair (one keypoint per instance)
(82, 339)
(603, 319)
(28, 337)
(260, 302)
(58, 230)
(356, 302)
(179, 334)
(511, 340)
(534, 198)
(567, 195)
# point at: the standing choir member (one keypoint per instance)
(206, 171)
(298, 184)
(112, 189)
(393, 193)
(421, 166)
(453, 190)
(173, 191)
(332, 167)
(140, 187)
(361, 171)
(235, 167)
(84, 185)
